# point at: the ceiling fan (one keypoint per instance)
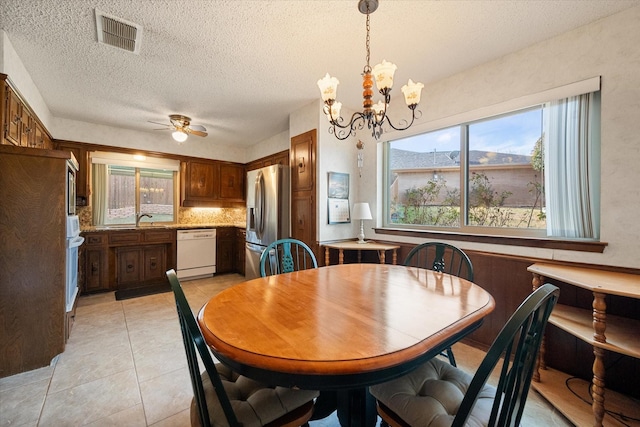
(182, 127)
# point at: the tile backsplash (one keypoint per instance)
(186, 216)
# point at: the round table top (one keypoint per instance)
(341, 319)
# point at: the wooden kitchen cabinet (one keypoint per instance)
(21, 126)
(241, 237)
(212, 184)
(281, 158)
(199, 182)
(96, 263)
(139, 265)
(117, 260)
(225, 249)
(232, 182)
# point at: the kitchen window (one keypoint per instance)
(127, 189)
(531, 172)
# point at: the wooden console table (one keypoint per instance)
(353, 245)
(603, 332)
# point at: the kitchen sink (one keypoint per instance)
(128, 227)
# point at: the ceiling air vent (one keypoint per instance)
(118, 32)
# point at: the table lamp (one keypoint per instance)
(361, 211)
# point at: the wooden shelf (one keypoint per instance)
(621, 333)
(606, 282)
(603, 331)
(552, 386)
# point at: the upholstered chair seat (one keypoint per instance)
(437, 394)
(431, 395)
(253, 403)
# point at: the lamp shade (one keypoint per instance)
(361, 211)
(328, 87)
(383, 73)
(412, 92)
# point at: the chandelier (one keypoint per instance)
(373, 115)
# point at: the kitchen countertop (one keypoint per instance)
(93, 229)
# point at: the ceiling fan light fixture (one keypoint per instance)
(179, 136)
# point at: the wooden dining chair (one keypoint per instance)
(285, 256)
(440, 394)
(444, 258)
(221, 396)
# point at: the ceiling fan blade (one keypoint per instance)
(198, 127)
(197, 132)
(167, 128)
(161, 124)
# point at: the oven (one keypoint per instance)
(74, 240)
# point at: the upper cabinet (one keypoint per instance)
(21, 127)
(210, 183)
(281, 158)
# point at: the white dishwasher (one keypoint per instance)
(196, 253)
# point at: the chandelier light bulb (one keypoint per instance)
(378, 109)
(335, 111)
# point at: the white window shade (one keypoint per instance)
(122, 159)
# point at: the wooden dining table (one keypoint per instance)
(341, 328)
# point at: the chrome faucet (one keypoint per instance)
(140, 216)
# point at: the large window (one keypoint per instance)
(533, 172)
(124, 191)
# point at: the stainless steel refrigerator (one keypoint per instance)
(267, 212)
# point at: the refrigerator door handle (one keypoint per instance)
(260, 204)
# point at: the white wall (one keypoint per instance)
(159, 141)
(608, 48)
(266, 147)
(11, 65)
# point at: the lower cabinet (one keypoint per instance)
(137, 266)
(95, 261)
(230, 253)
(241, 238)
(126, 259)
(225, 249)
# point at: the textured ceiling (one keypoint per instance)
(239, 68)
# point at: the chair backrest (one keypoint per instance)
(516, 347)
(285, 256)
(195, 344)
(441, 257)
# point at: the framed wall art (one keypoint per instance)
(338, 198)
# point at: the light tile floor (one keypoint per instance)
(124, 365)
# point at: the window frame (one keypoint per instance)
(506, 234)
(138, 164)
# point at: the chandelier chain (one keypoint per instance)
(373, 116)
(368, 41)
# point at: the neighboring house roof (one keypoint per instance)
(402, 159)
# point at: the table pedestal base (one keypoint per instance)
(357, 408)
